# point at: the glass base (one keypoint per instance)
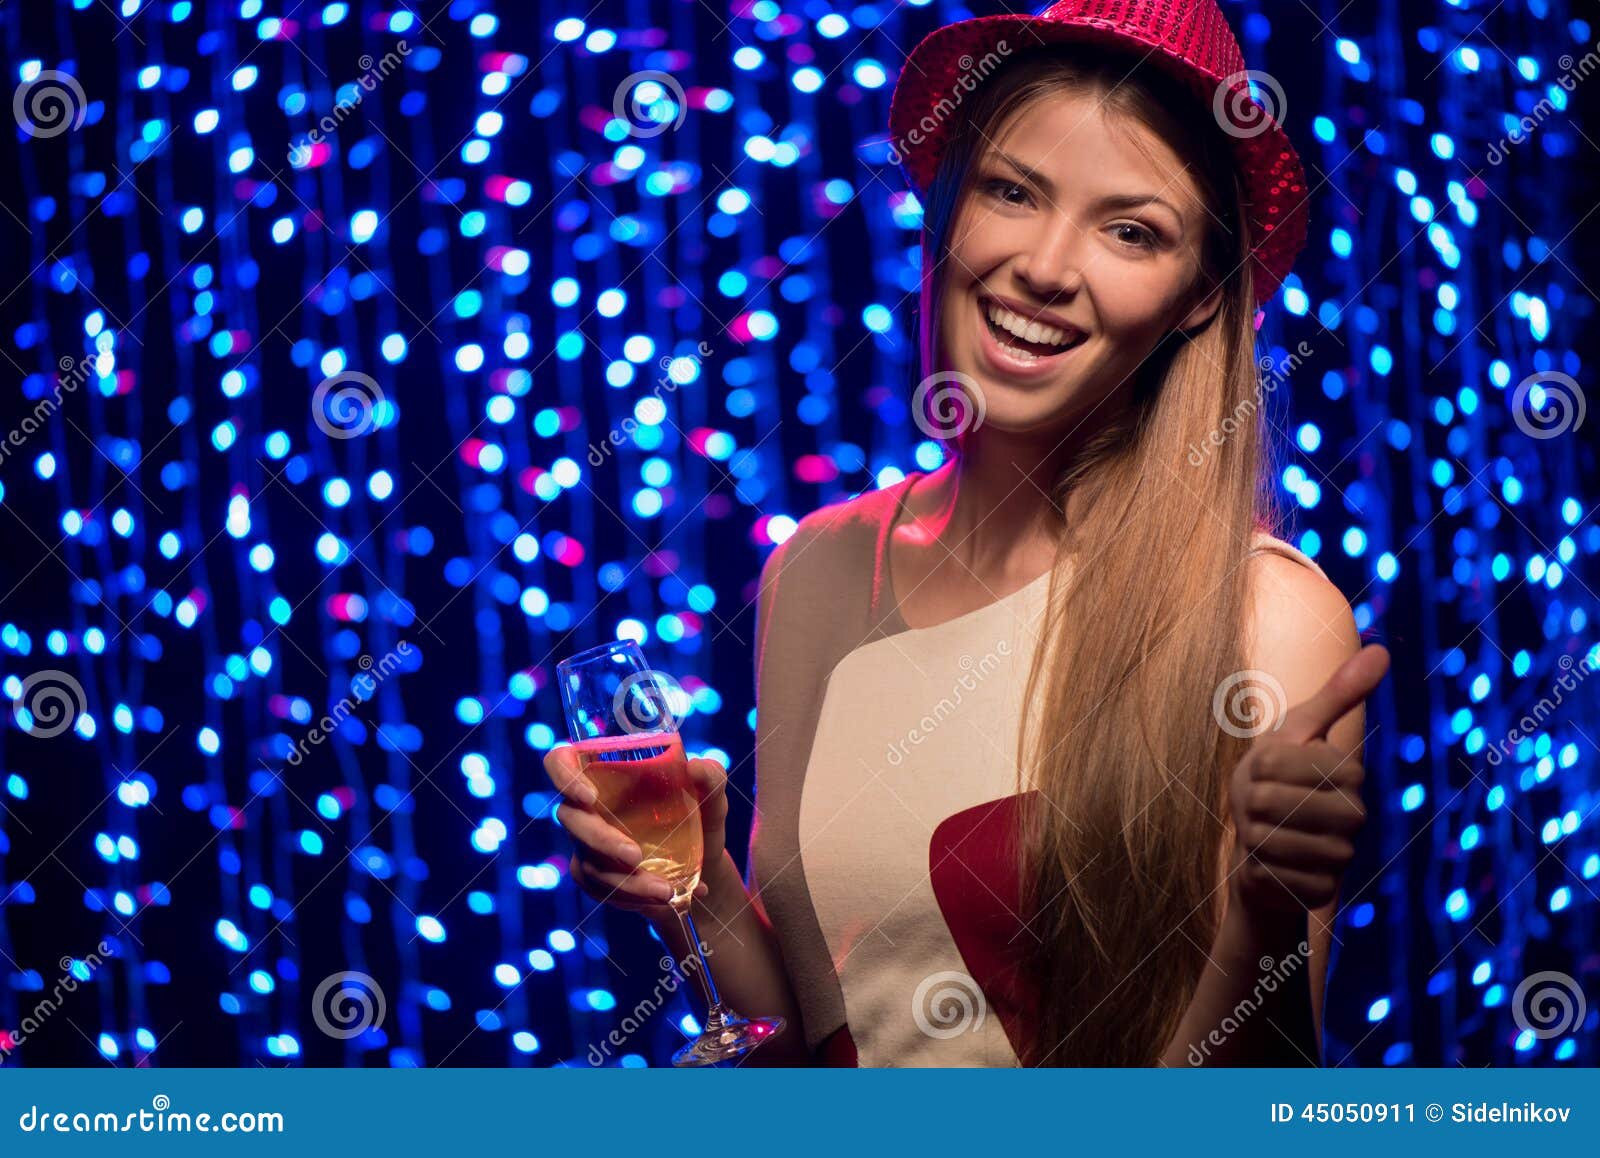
(727, 1036)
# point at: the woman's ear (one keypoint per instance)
(1202, 311)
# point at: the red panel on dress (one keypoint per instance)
(972, 860)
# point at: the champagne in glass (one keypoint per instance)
(644, 788)
(622, 722)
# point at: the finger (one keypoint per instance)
(1292, 848)
(1291, 886)
(615, 886)
(1307, 809)
(711, 785)
(1312, 764)
(593, 832)
(1348, 686)
(561, 766)
(709, 776)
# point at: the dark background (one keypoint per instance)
(94, 225)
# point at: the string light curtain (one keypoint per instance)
(366, 361)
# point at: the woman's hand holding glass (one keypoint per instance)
(605, 859)
(648, 820)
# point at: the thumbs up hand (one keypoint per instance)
(1296, 798)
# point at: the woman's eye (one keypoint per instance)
(1001, 188)
(1141, 238)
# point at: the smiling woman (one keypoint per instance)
(1091, 850)
(1083, 848)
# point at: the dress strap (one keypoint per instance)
(1265, 542)
(894, 502)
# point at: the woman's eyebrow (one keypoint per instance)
(1137, 201)
(1112, 201)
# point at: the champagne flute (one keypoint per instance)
(622, 723)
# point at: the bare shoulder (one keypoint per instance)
(828, 547)
(1301, 627)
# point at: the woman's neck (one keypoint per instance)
(991, 505)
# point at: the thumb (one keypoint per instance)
(708, 775)
(1351, 683)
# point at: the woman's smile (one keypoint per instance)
(1021, 350)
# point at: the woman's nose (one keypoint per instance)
(1052, 264)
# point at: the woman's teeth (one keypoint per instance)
(1007, 325)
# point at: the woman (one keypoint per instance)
(1057, 746)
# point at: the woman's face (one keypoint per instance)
(1081, 221)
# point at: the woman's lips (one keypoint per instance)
(1014, 365)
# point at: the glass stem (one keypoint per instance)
(714, 1017)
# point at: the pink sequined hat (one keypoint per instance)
(1188, 38)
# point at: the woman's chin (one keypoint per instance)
(1024, 410)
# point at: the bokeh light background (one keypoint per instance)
(367, 361)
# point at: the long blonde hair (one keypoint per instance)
(1120, 846)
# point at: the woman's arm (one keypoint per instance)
(1260, 997)
(1253, 1005)
(742, 951)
